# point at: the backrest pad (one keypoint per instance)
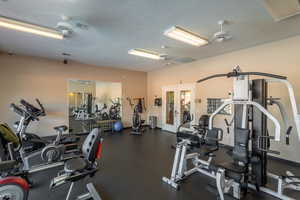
(211, 138)
(240, 151)
(90, 145)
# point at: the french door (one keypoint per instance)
(177, 100)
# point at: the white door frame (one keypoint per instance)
(176, 89)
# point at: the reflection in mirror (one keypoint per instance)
(93, 104)
(170, 107)
(185, 108)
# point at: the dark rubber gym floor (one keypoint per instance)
(132, 168)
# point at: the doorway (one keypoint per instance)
(177, 100)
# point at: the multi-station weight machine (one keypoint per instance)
(248, 168)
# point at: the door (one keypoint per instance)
(169, 110)
(177, 101)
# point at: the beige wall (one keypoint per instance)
(30, 78)
(281, 57)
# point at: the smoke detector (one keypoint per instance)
(221, 35)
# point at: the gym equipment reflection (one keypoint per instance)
(94, 104)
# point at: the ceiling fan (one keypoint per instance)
(68, 25)
(221, 35)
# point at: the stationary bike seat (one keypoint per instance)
(61, 128)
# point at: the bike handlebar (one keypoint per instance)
(34, 111)
(41, 106)
(17, 109)
(22, 112)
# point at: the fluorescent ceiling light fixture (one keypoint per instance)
(146, 53)
(186, 36)
(29, 28)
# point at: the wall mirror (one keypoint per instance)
(93, 104)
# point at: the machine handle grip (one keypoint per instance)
(287, 136)
(32, 110)
(22, 112)
(211, 77)
(227, 125)
(43, 113)
(234, 74)
(17, 109)
(221, 134)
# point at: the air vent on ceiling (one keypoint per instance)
(184, 60)
(282, 9)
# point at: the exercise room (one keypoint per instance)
(149, 100)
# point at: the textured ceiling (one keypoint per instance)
(115, 26)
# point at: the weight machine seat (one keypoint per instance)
(208, 150)
(61, 128)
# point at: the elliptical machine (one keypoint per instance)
(137, 122)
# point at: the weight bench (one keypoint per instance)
(180, 168)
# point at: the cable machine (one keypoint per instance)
(248, 166)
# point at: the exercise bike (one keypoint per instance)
(14, 184)
(78, 168)
(32, 141)
(114, 110)
(50, 154)
(101, 114)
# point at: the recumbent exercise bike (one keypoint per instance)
(14, 184)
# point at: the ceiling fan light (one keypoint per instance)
(29, 28)
(186, 36)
